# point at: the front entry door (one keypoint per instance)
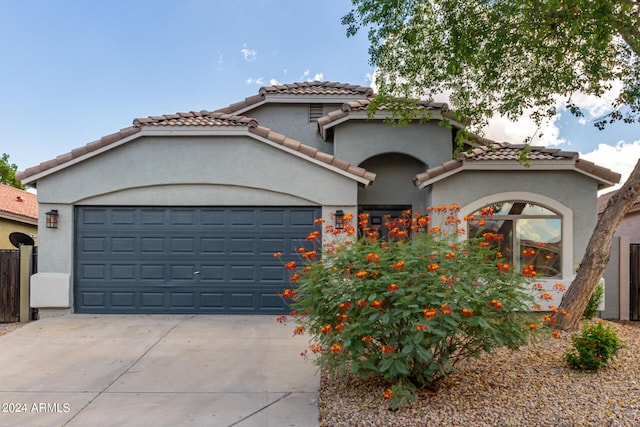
(379, 213)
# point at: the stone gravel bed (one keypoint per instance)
(532, 386)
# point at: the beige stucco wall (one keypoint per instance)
(8, 226)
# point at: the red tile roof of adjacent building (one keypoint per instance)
(18, 202)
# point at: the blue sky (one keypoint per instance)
(74, 71)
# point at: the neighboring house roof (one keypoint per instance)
(18, 205)
(303, 92)
(358, 110)
(604, 200)
(503, 156)
(210, 123)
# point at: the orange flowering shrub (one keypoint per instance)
(409, 307)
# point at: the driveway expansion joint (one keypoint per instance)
(128, 370)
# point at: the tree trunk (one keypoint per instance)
(597, 253)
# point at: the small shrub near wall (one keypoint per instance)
(593, 348)
(408, 308)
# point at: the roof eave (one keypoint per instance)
(323, 128)
(558, 165)
(18, 218)
(365, 179)
(65, 160)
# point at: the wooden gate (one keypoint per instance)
(634, 282)
(10, 284)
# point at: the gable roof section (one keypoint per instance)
(206, 123)
(18, 205)
(490, 155)
(300, 92)
(358, 110)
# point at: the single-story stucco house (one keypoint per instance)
(182, 213)
(18, 214)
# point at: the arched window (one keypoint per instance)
(532, 235)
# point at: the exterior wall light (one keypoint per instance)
(339, 218)
(52, 218)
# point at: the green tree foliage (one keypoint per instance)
(507, 57)
(512, 57)
(8, 172)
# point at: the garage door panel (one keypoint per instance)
(152, 272)
(123, 299)
(211, 273)
(94, 299)
(123, 217)
(153, 245)
(212, 245)
(152, 216)
(212, 217)
(242, 217)
(123, 245)
(152, 299)
(274, 218)
(123, 272)
(302, 217)
(186, 260)
(183, 245)
(93, 271)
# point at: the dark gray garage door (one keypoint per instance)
(186, 260)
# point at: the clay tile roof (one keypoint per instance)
(483, 149)
(18, 202)
(312, 152)
(303, 89)
(202, 118)
(318, 88)
(192, 118)
(360, 105)
(505, 151)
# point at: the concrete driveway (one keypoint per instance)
(157, 370)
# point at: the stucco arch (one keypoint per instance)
(394, 181)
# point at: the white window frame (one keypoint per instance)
(565, 214)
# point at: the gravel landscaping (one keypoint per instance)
(532, 386)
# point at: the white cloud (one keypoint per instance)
(220, 62)
(368, 77)
(248, 54)
(274, 82)
(596, 106)
(502, 129)
(621, 158)
(318, 77)
(258, 81)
